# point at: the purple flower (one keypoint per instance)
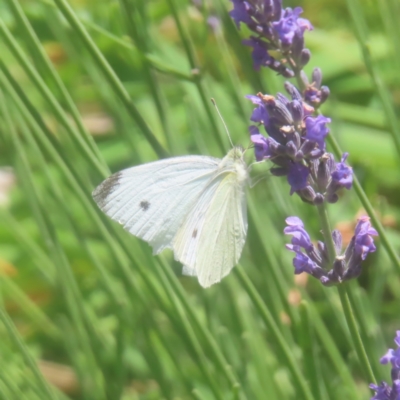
(296, 229)
(240, 12)
(261, 145)
(343, 174)
(316, 130)
(364, 243)
(290, 25)
(307, 258)
(260, 53)
(260, 114)
(297, 177)
(384, 391)
(301, 262)
(393, 356)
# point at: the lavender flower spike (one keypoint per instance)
(384, 391)
(314, 260)
(277, 30)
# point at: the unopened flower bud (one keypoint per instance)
(304, 58)
(325, 92)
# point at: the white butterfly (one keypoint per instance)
(195, 205)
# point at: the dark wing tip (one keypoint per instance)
(101, 193)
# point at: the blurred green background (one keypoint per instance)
(88, 88)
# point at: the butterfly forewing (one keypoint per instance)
(152, 200)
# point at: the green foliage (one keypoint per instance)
(90, 87)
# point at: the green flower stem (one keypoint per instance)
(327, 232)
(344, 298)
(355, 335)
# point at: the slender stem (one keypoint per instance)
(354, 333)
(344, 298)
(326, 231)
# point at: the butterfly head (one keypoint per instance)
(234, 162)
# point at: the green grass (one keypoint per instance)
(88, 88)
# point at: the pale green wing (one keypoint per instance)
(211, 239)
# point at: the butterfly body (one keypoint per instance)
(194, 205)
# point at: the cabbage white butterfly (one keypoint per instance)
(195, 205)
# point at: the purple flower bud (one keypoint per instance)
(291, 149)
(314, 93)
(307, 148)
(304, 58)
(317, 77)
(364, 243)
(325, 92)
(283, 99)
(304, 78)
(309, 196)
(297, 111)
(326, 165)
(337, 240)
(297, 177)
(316, 130)
(279, 111)
(293, 91)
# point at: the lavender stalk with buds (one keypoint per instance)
(384, 391)
(294, 139)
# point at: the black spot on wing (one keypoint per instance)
(102, 191)
(194, 234)
(144, 205)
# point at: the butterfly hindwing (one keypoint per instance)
(211, 239)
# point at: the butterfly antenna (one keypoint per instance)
(226, 128)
